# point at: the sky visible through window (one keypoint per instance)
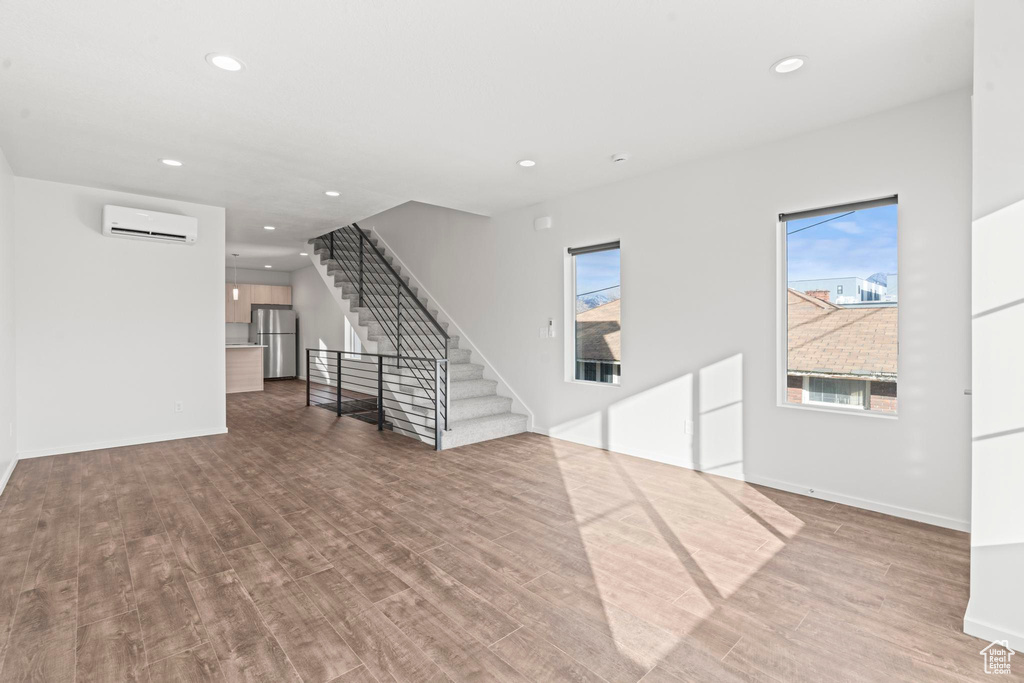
(859, 244)
(597, 279)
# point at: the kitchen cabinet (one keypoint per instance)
(241, 311)
(262, 294)
(238, 311)
(244, 366)
(281, 295)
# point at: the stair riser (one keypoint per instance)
(461, 411)
(412, 342)
(459, 436)
(457, 356)
(461, 371)
(472, 389)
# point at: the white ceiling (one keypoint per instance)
(435, 101)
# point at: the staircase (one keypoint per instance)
(398, 321)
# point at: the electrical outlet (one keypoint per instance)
(551, 327)
(179, 406)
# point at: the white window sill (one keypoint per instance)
(823, 408)
(591, 383)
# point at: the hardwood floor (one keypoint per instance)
(304, 547)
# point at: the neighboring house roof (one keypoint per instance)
(829, 340)
(598, 333)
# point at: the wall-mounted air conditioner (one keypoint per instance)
(121, 221)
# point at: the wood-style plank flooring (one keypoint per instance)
(304, 547)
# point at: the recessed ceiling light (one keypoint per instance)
(226, 62)
(526, 163)
(269, 227)
(303, 253)
(268, 266)
(332, 193)
(170, 162)
(788, 64)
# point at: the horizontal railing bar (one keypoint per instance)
(409, 422)
(406, 403)
(381, 355)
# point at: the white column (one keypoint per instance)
(996, 609)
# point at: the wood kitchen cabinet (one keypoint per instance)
(241, 311)
(238, 311)
(262, 294)
(281, 295)
(272, 294)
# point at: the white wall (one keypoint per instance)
(258, 277)
(112, 332)
(996, 609)
(322, 325)
(699, 309)
(8, 403)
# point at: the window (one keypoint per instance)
(596, 313)
(840, 392)
(840, 351)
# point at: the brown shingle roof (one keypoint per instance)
(598, 332)
(825, 339)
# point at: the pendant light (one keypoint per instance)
(234, 292)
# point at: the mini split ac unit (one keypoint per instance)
(120, 221)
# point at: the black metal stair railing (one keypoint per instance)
(404, 320)
(366, 386)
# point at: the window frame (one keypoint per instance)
(569, 324)
(782, 323)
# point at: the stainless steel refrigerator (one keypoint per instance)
(275, 329)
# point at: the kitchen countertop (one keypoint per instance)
(245, 346)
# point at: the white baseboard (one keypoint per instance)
(989, 633)
(6, 476)
(809, 491)
(863, 503)
(118, 443)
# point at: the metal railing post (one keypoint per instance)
(380, 393)
(339, 383)
(398, 327)
(307, 377)
(437, 405)
(360, 233)
(332, 246)
(447, 388)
